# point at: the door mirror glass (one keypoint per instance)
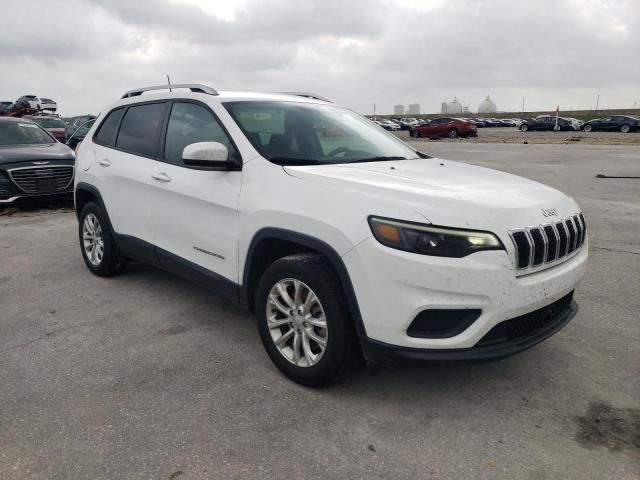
(207, 155)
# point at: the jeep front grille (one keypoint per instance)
(37, 180)
(542, 245)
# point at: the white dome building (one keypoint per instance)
(487, 106)
(452, 107)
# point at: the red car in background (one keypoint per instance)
(54, 125)
(445, 127)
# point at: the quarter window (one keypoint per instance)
(191, 123)
(140, 128)
(108, 127)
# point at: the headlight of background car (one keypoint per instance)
(431, 240)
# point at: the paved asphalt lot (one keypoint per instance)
(145, 376)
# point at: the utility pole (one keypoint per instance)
(522, 104)
(597, 101)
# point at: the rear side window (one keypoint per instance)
(108, 127)
(190, 123)
(140, 128)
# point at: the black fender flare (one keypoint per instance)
(315, 244)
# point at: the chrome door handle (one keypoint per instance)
(161, 177)
(104, 162)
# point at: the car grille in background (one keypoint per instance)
(548, 243)
(42, 179)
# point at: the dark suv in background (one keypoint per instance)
(615, 123)
(548, 123)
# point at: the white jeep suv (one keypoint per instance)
(344, 241)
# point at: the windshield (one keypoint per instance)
(50, 122)
(22, 133)
(291, 133)
(83, 129)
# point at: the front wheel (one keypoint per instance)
(524, 127)
(587, 128)
(625, 128)
(303, 320)
(453, 133)
(416, 134)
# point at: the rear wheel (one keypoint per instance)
(99, 250)
(587, 128)
(524, 127)
(625, 128)
(303, 320)
(453, 133)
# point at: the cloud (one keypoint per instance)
(355, 51)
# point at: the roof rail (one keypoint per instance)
(194, 87)
(308, 95)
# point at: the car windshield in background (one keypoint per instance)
(293, 133)
(50, 122)
(22, 133)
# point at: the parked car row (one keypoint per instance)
(395, 124)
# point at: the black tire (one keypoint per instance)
(416, 134)
(524, 127)
(341, 350)
(587, 128)
(625, 128)
(453, 133)
(112, 262)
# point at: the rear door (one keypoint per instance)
(130, 138)
(195, 212)
(616, 123)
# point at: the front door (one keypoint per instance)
(195, 212)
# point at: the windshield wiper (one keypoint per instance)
(376, 159)
(295, 161)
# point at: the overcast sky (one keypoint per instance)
(87, 53)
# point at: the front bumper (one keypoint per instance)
(527, 331)
(392, 287)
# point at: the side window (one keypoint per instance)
(140, 129)
(191, 123)
(108, 127)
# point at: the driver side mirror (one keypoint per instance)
(209, 156)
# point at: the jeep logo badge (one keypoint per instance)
(549, 212)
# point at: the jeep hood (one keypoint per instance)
(446, 192)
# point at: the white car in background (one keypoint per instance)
(344, 241)
(48, 104)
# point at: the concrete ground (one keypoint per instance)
(145, 376)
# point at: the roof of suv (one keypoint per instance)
(221, 96)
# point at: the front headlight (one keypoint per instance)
(431, 240)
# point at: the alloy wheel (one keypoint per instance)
(92, 239)
(297, 322)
